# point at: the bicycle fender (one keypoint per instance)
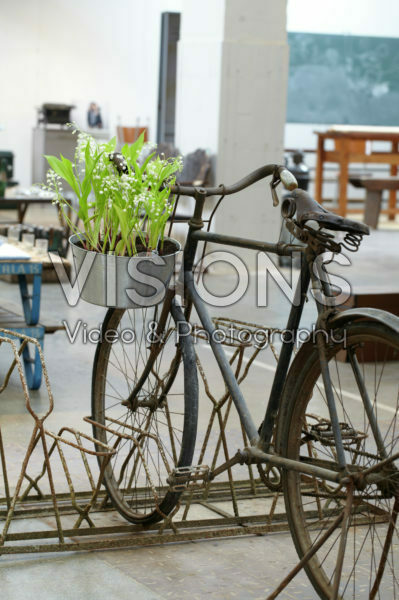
(344, 317)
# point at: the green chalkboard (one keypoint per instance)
(343, 79)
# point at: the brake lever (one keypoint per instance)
(273, 184)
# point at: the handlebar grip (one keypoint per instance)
(288, 180)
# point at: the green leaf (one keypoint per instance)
(124, 227)
(147, 160)
(125, 151)
(87, 181)
(57, 165)
(88, 159)
(136, 148)
(120, 248)
(70, 175)
(137, 171)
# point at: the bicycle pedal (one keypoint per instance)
(323, 431)
(183, 478)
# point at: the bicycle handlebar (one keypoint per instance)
(280, 173)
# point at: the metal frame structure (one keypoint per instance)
(80, 517)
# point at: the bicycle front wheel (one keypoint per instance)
(369, 541)
(145, 396)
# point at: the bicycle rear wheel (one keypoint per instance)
(146, 398)
(371, 543)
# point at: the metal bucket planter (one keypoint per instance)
(122, 281)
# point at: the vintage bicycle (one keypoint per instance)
(330, 429)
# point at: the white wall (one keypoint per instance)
(343, 17)
(75, 52)
(350, 17)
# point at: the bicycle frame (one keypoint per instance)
(259, 449)
(293, 323)
(260, 439)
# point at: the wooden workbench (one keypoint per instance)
(27, 323)
(351, 147)
(21, 204)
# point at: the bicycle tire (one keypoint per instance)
(139, 494)
(312, 503)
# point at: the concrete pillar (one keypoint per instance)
(199, 68)
(231, 99)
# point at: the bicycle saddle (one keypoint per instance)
(307, 209)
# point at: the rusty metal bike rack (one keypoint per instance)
(81, 517)
(84, 519)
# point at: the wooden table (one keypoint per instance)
(21, 204)
(374, 187)
(351, 147)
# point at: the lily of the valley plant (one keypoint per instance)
(124, 201)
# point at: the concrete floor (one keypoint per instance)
(242, 568)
